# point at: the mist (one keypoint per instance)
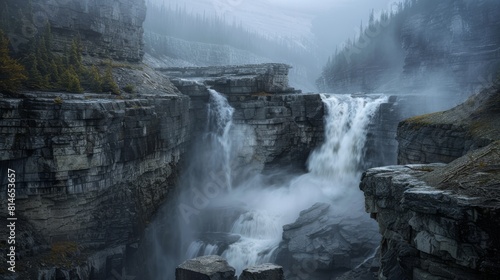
(227, 206)
(232, 208)
(302, 34)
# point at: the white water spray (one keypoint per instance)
(345, 135)
(334, 172)
(333, 177)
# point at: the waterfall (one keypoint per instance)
(244, 222)
(260, 234)
(220, 121)
(346, 125)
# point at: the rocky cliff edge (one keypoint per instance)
(440, 221)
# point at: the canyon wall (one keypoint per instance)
(91, 170)
(286, 125)
(106, 28)
(448, 135)
(437, 220)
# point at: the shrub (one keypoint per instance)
(129, 88)
(11, 72)
(58, 100)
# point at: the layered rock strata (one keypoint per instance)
(106, 28)
(285, 126)
(439, 221)
(435, 225)
(241, 79)
(91, 171)
(448, 135)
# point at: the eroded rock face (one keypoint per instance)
(321, 242)
(448, 135)
(107, 28)
(284, 126)
(438, 221)
(253, 78)
(205, 268)
(91, 171)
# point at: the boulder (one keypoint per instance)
(266, 271)
(205, 268)
(438, 221)
(324, 241)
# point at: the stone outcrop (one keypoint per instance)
(381, 144)
(437, 220)
(435, 224)
(267, 271)
(90, 171)
(287, 126)
(241, 79)
(205, 268)
(321, 242)
(107, 28)
(448, 135)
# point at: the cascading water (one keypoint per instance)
(220, 120)
(244, 222)
(345, 135)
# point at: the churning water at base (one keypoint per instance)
(244, 222)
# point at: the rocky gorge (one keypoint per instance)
(95, 172)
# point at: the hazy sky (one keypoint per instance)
(330, 21)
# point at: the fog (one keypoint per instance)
(327, 23)
(226, 206)
(303, 34)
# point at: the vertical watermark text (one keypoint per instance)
(11, 219)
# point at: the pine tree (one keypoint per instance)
(11, 72)
(95, 79)
(108, 82)
(75, 57)
(72, 81)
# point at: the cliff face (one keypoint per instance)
(106, 28)
(91, 171)
(287, 126)
(440, 221)
(448, 135)
(430, 231)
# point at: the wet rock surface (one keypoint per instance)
(205, 268)
(286, 126)
(266, 271)
(438, 220)
(323, 242)
(90, 171)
